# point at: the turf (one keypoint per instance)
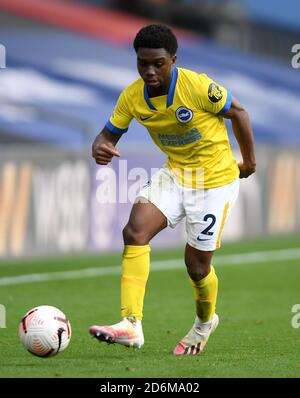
(254, 339)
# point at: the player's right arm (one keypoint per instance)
(104, 147)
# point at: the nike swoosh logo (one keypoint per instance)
(200, 239)
(145, 118)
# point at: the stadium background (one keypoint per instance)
(65, 64)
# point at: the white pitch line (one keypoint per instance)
(227, 259)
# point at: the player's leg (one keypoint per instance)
(205, 283)
(145, 221)
(161, 207)
(204, 230)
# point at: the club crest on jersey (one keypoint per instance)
(184, 115)
(214, 93)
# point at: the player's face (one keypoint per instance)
(155, 67)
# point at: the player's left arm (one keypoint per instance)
(242, 129)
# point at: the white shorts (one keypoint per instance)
(206, 210)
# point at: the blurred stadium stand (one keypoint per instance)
(263, 27)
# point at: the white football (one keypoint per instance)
(45, 331)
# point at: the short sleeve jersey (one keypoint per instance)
(186, 124)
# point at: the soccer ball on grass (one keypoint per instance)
(45, 331)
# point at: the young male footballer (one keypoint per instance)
(184, 113)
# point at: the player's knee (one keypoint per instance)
(196, 275)
(197, 270)
(134, 236)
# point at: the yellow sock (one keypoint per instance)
(135, 271)
(206, 291)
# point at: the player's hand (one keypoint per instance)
(104, 152)
(246, 169)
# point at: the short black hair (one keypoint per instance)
(156, 36)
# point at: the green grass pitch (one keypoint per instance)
(255, 337)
